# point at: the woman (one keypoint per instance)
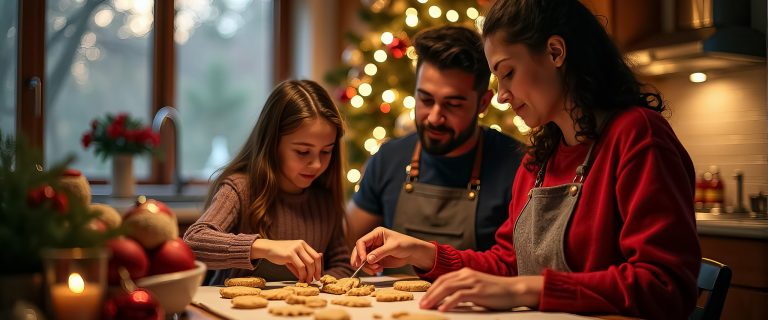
(601, 217)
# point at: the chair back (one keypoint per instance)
(714, 279)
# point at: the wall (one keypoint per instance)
(724, 122)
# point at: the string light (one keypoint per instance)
(412, 114)
(379, 133)
(412, 21)
(388, 96)
(409, 102)
(356, 101)
(479, 23)
(411, 12)
(365, 89)
(370, 69)
(435, 12)
(495, 127)
(380, 56)
(520, 124)
(496, 104)
(422, 1)
(411, 52)
(353, 175)
(386, 37)
(452, 15)
(472, 13)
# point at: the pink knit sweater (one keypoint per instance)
(218, 239)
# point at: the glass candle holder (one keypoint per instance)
(77, 281)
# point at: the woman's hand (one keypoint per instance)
(384, 248)
(303, 261)
(482, 289)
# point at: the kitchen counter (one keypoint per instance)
(732, 225)
(188, 206)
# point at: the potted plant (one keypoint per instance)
(120, 137)
(37, 213)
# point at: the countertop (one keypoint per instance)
(732, 225)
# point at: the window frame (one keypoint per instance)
(30, 105)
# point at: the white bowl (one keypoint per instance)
(174, 291)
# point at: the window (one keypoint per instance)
(8, 51)
(211, 59)
(224, 77)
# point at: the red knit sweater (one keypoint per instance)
(631, 242)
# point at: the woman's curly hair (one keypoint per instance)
(595, 76)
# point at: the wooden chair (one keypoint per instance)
(714, 278)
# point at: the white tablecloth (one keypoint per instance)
(208, 297)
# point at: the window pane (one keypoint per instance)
(9, 42)
(98, 61)
(224, 77)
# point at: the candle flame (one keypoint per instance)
(76, 283)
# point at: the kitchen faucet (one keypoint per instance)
(171, 114)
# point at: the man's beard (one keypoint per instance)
(437, 147)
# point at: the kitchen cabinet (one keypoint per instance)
(743, 246)
(628, 21)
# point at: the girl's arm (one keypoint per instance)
(211, 237)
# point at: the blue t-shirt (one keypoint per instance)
(385, 174)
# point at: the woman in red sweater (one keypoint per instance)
(601, 218)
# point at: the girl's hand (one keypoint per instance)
(482, 289)
(303, 261)
(384, 248)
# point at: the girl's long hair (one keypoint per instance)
(595, 76)
(289, 105)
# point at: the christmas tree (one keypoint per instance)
(378, 76)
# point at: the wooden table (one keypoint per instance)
(219, 308)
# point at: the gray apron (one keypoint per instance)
(436, 213)
(539, 237)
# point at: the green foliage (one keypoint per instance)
(27, 227)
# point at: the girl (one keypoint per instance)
(276, 210)
(601, 218)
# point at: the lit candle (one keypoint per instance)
(77, 299)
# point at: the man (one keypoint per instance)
(451, 181)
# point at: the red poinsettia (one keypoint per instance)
(120, 134)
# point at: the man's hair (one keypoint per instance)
(454, 47)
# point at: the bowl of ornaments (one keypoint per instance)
(154, 256)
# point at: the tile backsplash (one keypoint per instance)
(723, 122)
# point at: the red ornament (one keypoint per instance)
(174, 255)
(129, 254)
(45, 194)
(397, 48)
(71, 173)
(138, 305)
(385, 107)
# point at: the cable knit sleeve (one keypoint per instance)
(336, 255)
(211, 237)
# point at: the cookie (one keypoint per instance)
(249, 302)
(362, 291)
(231, 292)
(301, 284)
(421, 316)
(334, 288)
(352, 302)
(331, 314)
(304, 291)
(253, 282)
(390, 295)
(276, 294)
(412, 285)
(327, 278)
(312, 302)
(291, 311)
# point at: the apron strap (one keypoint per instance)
(581, 170)
(473, 186)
